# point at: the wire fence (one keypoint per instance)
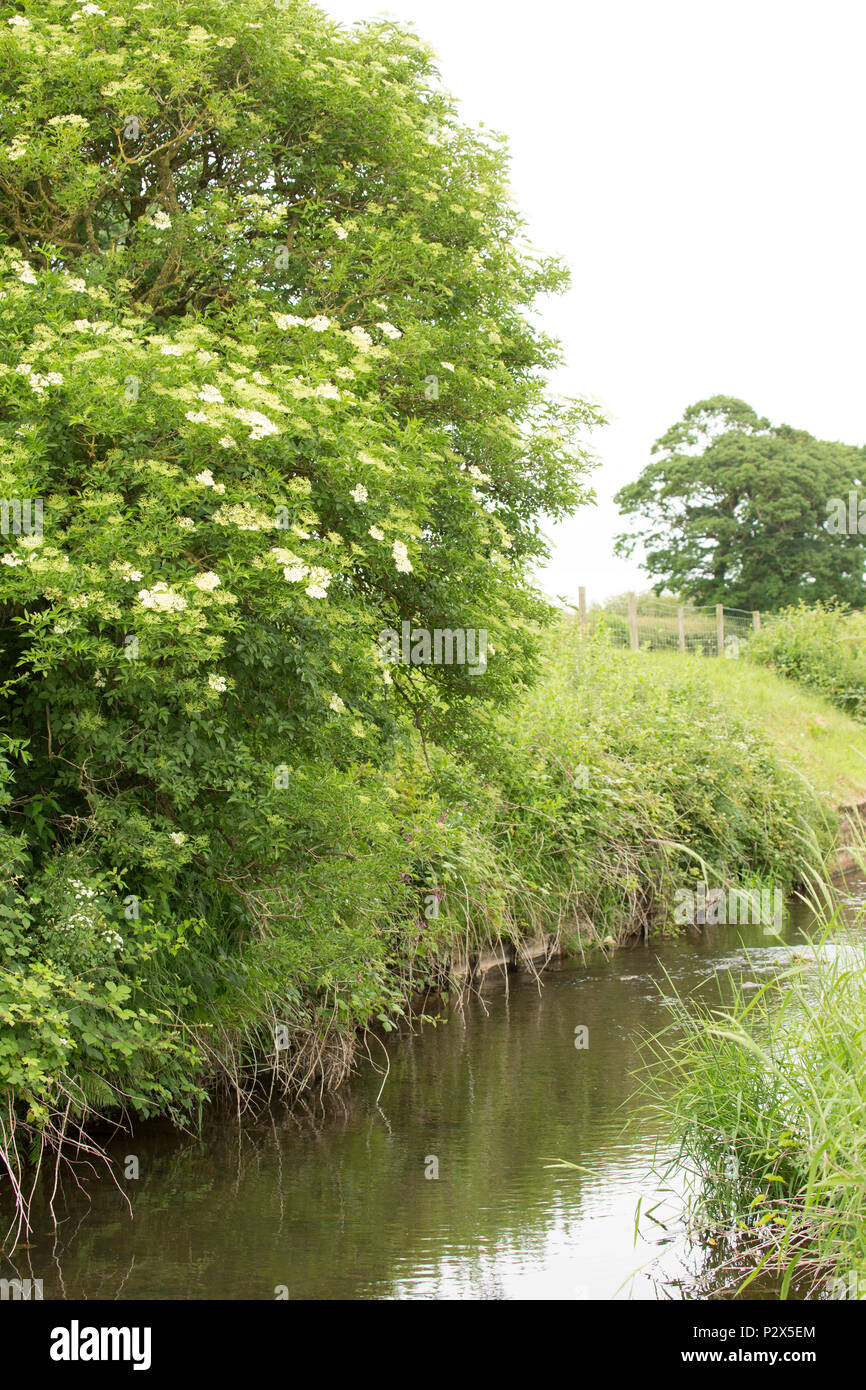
(644, 622)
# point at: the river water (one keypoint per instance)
(343, 1200)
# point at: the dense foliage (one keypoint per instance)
(822, 647)
(267, 363)
(733, 509)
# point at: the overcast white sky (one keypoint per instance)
(700, 165)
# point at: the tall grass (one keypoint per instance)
(767, 1099)
(611, 786)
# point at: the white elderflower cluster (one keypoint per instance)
(260, 425)
(377, 534)
(126, 572)
(70, 120)
(207, 581)
(336, 704)
(389, 330)
(244, 516)
(319, 580)
(206, 479)
(295, 572)
(36, 381)
(162, 598)
(359, 494)
(217, 684)
(286, 321)
(24, 271)
(83, 916)
(401, 558)
(360, 338)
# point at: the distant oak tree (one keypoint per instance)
(733, 509)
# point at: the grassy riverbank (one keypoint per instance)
(577, 813)
(817, 741)
(769, 1106)
(767, 1097)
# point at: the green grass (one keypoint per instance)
(678, 784)
(768, 1101)
(814, 738)
(822, 648)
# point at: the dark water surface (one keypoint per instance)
(334, 1203)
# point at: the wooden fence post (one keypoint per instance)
(720, 628)
(756, 620)
(632, 621)
(681, 627)
(581, 607)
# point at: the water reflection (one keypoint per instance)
(334, 1201)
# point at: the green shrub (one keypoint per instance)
(268, 369)
(823, 647)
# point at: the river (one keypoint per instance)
(433, 1184)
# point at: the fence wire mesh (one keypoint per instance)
(663, 624)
